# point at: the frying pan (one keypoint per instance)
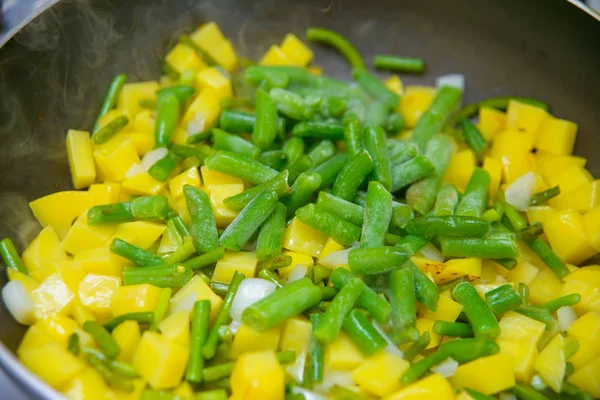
(54, 73)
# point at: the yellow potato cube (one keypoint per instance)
(214, 79)
(275, 56)
(342, 354)
(544, 287)
(297, 52)
(65, 366)
(241, 261)
(82, 236)
(176, 328)
(101, 261)
(248, 340)
(97, 292)
(524, 272)
(60, 209)
(218, 193)
(566, 234)
(570, 179)
(511, 142)
(551, 165)
(115, 157)
(81, 160)
(258, 375)
(488, 375)
(415, 101)
(35, 336)
(105, 193)
(494, 168)
(296, 333)
(187, 177)
(59, 327)
(87, 385)
(29, 283)
(315, 70)
(461, 167)
(297, 259)
(330, 246)
(583, 198)
(195, 290)
(447, 310)
(551, 363)
(379, 374)
(394, 83)
(491, 121)
(208, 36)
(523, 353)
(159, 361)
(211, 177)
(145, 122)
(184, 391)
(525, 118)
(182, 58)
(556, 136)
(426, 325)
(301, 238)
(516, 165)
(127, 335)
(70, 272)
(540, 214)
(135, 298)
(515, 326)
(588, 350)
(205, 108)
(143, 184)
(44, 249)
(139, 233)
(168, 243)
(586, 327)
(451, 269)
(142, 141)
(591, 222)
(225, 55)
(434, 386)
(586, 378)
(585, 281)
(132, 93)
(52, 296)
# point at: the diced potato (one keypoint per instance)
(488, 375)
(588, 350)
(127, 334)
(70, 272)
(184, 390)
(52, 296)
(591, 222)
(557, 136)
(27, 281)
(258, 375)
(566, 234)
(330, 246)
(35, 336)
(275, 56)
(101, 261)
(394, 83)
(115, 157)
(569, 179)
(524, 272)
(426, 325)
(434, 386)
(168, 243)
(145, 122)
(248, 340)
(461, 167)
(296, 333)
(59, 327)
(135, 298)
(208, 36)
(44, 249)
(540, 214)
(301, 238)
(80, 313)
(511, 142)
(452, 269)
(211, 177)
(143, 184)
(97, 292)
(195, 290)
(241, 261)
(297, 52)
(551, 165)
(187, 177)
(225, 55)
(65, 366)
(415, 101)
(491, 121)
(105, 193)
(586, 327)
(544, 287)
(297, 259)
(551, 363)
(342, 354)
(516, 165)
(131, 94)
(379, 374)
(142, 141)
(176, 328)
(494, 168)
(183, 57)
(585, 281)
(159, 361)
(515, 326)
(82, 236)
(139, 233)
(81, 160)
(523, 354)
(218, 193)
(525, 118)
(60, 209)
(206, 107)
(586, 378)
(87, 385)
(447, 310)
(214, 79)
(584, 198)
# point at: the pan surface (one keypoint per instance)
(54, 73)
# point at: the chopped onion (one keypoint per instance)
(447, 368)
(335, 259)
(454, 80)
(538, 383)
(234, 326)
(566, 317)
(332, 378)
(431, 252)
(249, 292)
(518, 194)
(19, 303)
(307, 394)
(391, 347)
(151, 157)
(298, 272)
(135, 170)
(196, 125)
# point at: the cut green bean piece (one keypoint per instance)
(182, 92)
(173, 276)
(96, 360)
(549, 257)
(199, 333)
(362, 332)
(167, 118)
(319, 130)
(162, 307)
(378, 214)
(564, 301)
(302, 191)
(401, 151)
(402, 298)
(353, 138)
(10, 256)
(143, 317)
(474, 138)
(446, 200)
(539, 314)
(225, 141)
(237, 121)
(376, 260)
(451, 225)
(103, 134)
(199, 151)
(203, 228)
(206, 259)
(293, 148)
(111, 97)
(337, 41)
(421, 367)
(400, 64)
(478, 395)
(376, 115)
(322, 152)
(302, 164)
(265, 128)
(525, 392)
(425, 290)
(270, 276)
(402, 214)
(475, 199)
(270, 237)
(432, 121)
(183, 253)
(74, 344)
(455, 329)
(373, 86)
(150, 208)
(316, 354)
(275, 159)
(412, 243)
(135, 254)
(503, 299)
(279, 184)
(163, 168)
(542, 197)
(490, 246)
(240, 166)
(291, 104)
(105, 341)
(417, 347)
(344, 209)
(352, 176)
(330, 169)
(337, 228)
(376, 145)
(517, 220)
(482, 319)
(531, 232)
(410, 172)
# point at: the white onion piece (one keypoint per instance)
(538, 383)
(307, 394)
(135, 170)
(391, 347)
(298, 272)
(19, 303)
(185, 304)
(332, 378)
(151, 157)
(249, 292)
(518, 194)
(196, 125)
(335, 259)
(234, 326)
(431, 252)
(447, 368)
(454, 80)
(566, 317)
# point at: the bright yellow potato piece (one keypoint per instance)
(176, 328)
(275, 56)
(461, 168)
(524, 272)
(330, 246)
(525, 118)
(488, 375)
(159, 361)
(586, 327)
(523, 354)
(516, 165)
(87, 385)
(544, 287)
(97, 292)
(182, 58)
(426, 325)
(135, 298)
(139, 233)
(168, 243)
(81, 160)
(258, 375)
(557, 136)
(205, 107)
(82, 236)
(105, 193)
(145, 121)
(212, 78)
(225, 56)
(297, 259)
(195, 290)
(29, 283)
(583, 198)
(101, 261)
(551, 363)
(208, 36)
(142, 184)
(59, 327)
(52, 296)
(586, 378)
(35, 336)
(70, 272)
(447, 310)
(211, 177)
(551, 165)
(295, 335)
(248, 340)
(185, 390)
(127, 335)
(394, 83)
(566, 234)
(115, 157)
(415, 101)
(301, 238)
(586, 282)
(142, 141)
(297, 52)
(44, 249)
(241, 261)
(218, 193)
(434, 386)
(132, 93)
(342, 354)
(491, 121)
(540, 214)
(511, 142)
(570, 179)
(187, 177)
(60, 209)
(451, 269)
(65, 366)
(494, 168)
(379, 374)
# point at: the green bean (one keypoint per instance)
(412, 243)
(206, 259)
(182, 92)
(373, 86)
(163, 168)
(173, 276)
(503, 299)
(539, 314)
(316, 354)
(245, 168)
(319, 130)
(293, 148)
(322, 152)
(446, 200)
(542, 197)
(490, 215)
(275, 263)
(475, 199)
(270, 276)
(376, 260)
(237, 121)
(455, 329)
(74, 344)
(337, 228)
(105, 341)
(339, 207)
(291, 104)
(204, 228)
(352, 175)
(564, 301)
(531, 232)
(422, 195)
(376, 115)
(276, 76)
(188, 77)
(249, 220)
(291, 300)
(402, 298)
(425, 290)
(474, 138)
(120, 368)
(183, 253)
(337, 41)
(490, 246)
(167, 118)
(398, 63)
(500, 103)
(549, 257)
(421, 367)
(401, 215)
(417, 347)
(363, 333)
(401, 151)
(175, 235)
(279, 184)
(219, 288)
(10, 256)
(378, 214)
(450, 225)
(331, 322)
(514, 216)
(265, 127)
(270, 237)
(432, 120)
(330, 169)
(302, 191)
(198, 137)
(105, 371)
(333, 106)
(215, 394)
(375, 144)
(218, 371)
(411, 171)
(525, 392)
(392, 239)
(482, 319)
(162, 306)
(135, 254)
(353, 136)
(143, 317)
(148, 104)
(523, 290)
(150, 208)
(478, 395)
(225, 141)
(200, 151)
(276, 159)
(103, 134)
(395, 122)
(111, 97)
(199, 333)
(302, 164)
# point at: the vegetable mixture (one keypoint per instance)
(261, 231)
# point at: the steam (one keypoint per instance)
(18, 223)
